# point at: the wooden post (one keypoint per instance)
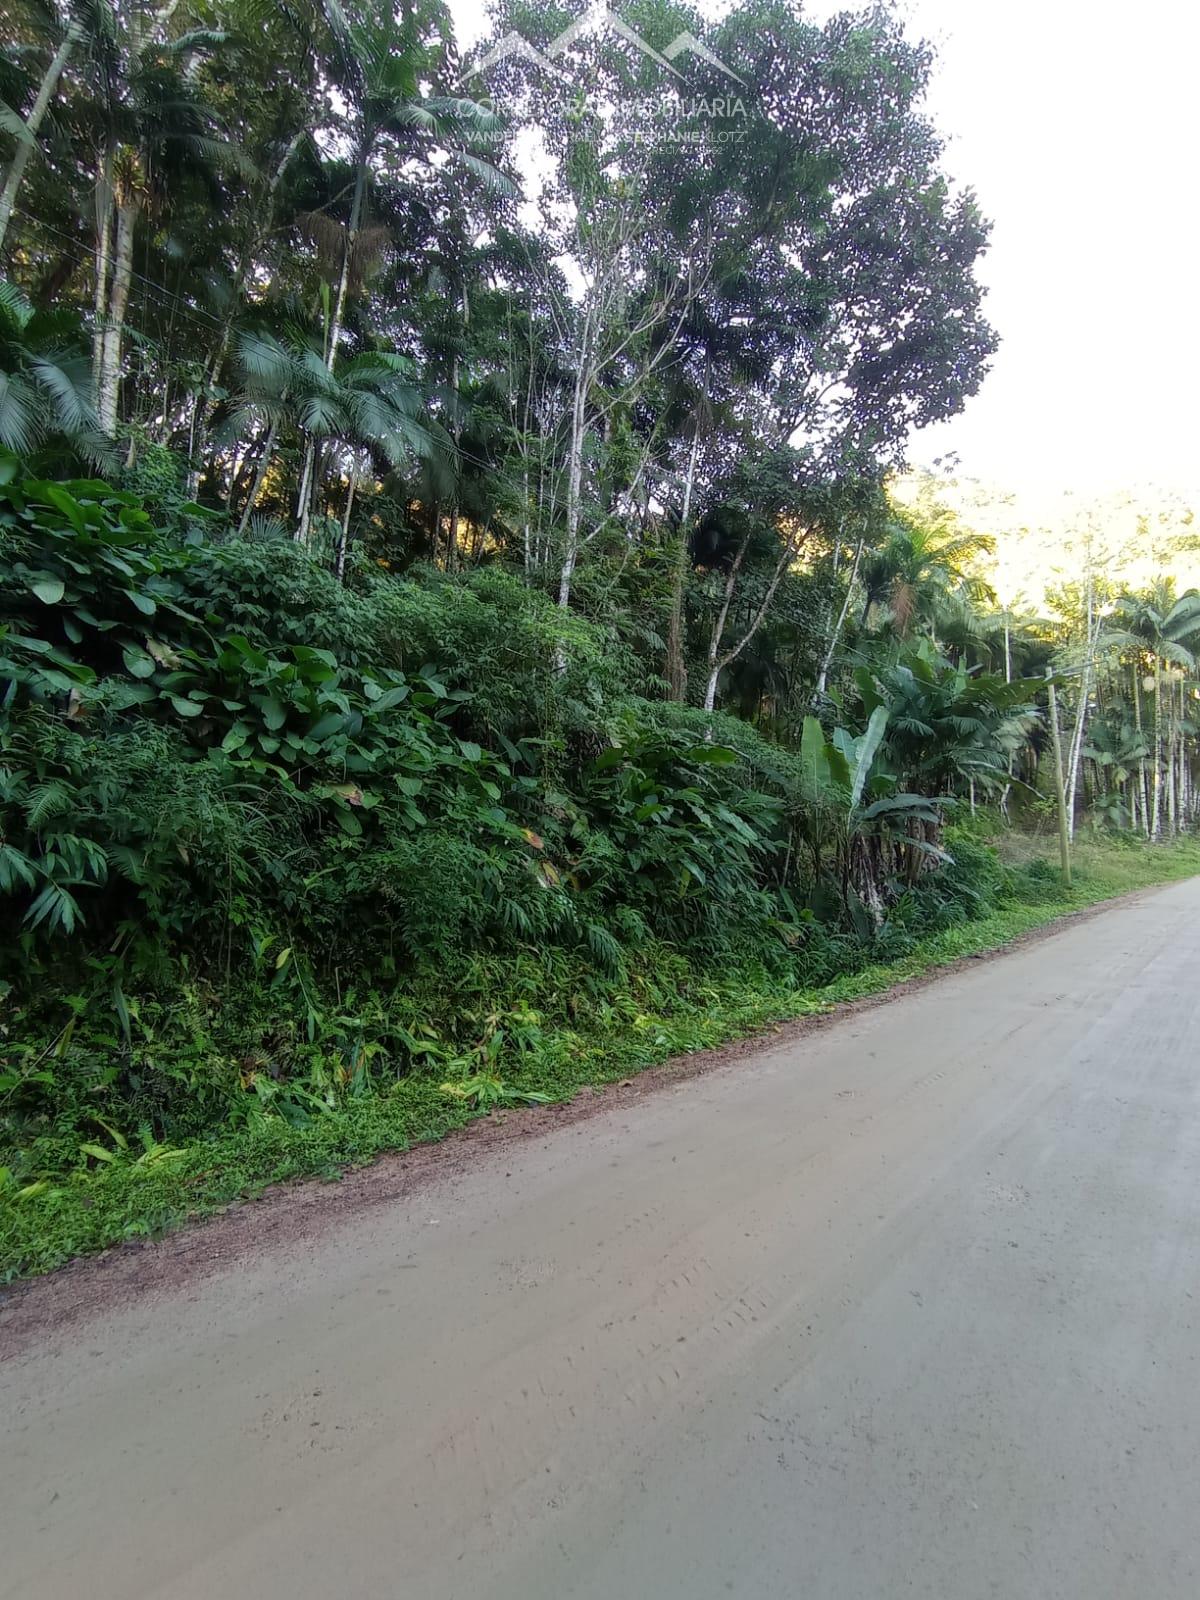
(1064, 832)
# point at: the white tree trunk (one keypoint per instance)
(27, 143)
(1085, 692)
(1142, 789)
(304, 498)
(114, 326)
(574, 481)
(103, 262)
(344, 540)
(339, 305)
(1156, 802)
(718, 662)
(836, 633)
(1007, 790)
(715, 659)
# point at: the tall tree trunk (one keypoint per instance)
(574, 502)
(1085, 691)
(718, 632)
(1185, 770)
(836, 631)
(1007, 790)
(344, 538)
(352, 231)
(1142, 785)
(304, 494)
(114, 327)
(676, 666)
(1185, 776)
(1156, 807)
(204, 408)
(456, 435)
(1171, 761)
(578, 438)
(574, 487)
(264, 462)
(717, 662)
(108, 336)
(1064, 832)
(103, 263)
(333, 338)
(27, 141)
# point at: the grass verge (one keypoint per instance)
(50, 1223)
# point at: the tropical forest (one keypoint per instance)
(470, 624)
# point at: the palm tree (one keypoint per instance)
(917, 570)
(264, 404)
(1158, 625)
(45, 383)
(154, 126)
(1116, 750)
(381, 71)
(370, 408)
(370, 402)
(60, 30)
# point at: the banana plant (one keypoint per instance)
(858, 830)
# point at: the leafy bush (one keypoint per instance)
(268, 843)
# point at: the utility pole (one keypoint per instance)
(1064, 831)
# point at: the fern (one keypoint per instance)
(604, 949)
(46, 800)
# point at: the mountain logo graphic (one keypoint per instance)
(600, 19)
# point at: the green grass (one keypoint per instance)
(51, 1222)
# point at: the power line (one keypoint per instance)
(84, 256)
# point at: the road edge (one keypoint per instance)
(295, 1210)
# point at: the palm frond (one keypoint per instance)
(19, 430)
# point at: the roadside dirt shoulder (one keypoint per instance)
(292, 1213)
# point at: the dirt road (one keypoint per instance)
(911, 1306)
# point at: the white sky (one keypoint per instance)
(1076, 124)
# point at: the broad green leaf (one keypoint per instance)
(392, 697)
(814, 761)
(329, 724)
(55, 495)
(273, 713)
(138, 663)
(868, 746)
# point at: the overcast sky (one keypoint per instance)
(1077, 125)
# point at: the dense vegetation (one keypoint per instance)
(456, 640)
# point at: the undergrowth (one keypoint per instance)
(514, 1053)
(293, 871)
